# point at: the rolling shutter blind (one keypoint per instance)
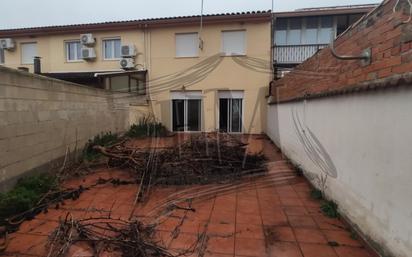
(28, 52)
(234, 42)
(187, 45)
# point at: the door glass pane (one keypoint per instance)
(193, 115)
(223, 115)
(236, 115)
(178, 115)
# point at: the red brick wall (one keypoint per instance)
(382, 30)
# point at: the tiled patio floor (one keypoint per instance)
(272, 215)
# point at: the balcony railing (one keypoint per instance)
(293, 54)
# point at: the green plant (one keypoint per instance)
(147, 126)
(104, 139)
(353, 235)
(330, 209)
(25, 194)
(316, 194)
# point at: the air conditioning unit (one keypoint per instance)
(87, 39)
(88, 53)
(128, 50)
(127, 63)
(7, 43)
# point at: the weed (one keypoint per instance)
(316, 194)
(330, 209)
(147, 126)
(104, 139)
(25, 194)
(353, 235)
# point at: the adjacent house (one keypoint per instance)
(197, 73)
(301, 33)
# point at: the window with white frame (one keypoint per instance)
(2, 56)
(234, 42)
(304, 31)
(73, 51)
(187, 45)
(28, 52)
(111, 49)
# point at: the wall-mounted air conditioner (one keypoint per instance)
(7, 43)
(128, 51)
(87, 39)
(127, 63)
(88, 53)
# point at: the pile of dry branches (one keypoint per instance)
(200, 159)
(101, 236)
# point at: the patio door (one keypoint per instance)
(186, 111)
(230, 111)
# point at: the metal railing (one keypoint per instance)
(291, 54)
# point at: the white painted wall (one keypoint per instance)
(368, 137)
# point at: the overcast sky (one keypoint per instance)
(30, 13)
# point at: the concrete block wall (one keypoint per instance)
(42, 118)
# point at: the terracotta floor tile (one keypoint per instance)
(341, 237)
(346, 251)
(302, 221)
(275, 219)
(209, 254)
(328, 223)
(184, 241)
(248, 218)
(291, 201)
(279, 233)
(163, 238)
(219, 229)
(168, 224)
(295, 210)
(223, 217)
(225, 245)
(250, 207)
(249, 231)
(194, 227)
(308, 235)
(317, 250)
(26, 243)
(284, 249)
(250, 247)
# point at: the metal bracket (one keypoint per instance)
(365, 57)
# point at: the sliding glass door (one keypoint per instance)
(230, 114)
(186, 114)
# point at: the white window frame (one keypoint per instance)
(113, 51)
(231, 94)
(245, 42)
(303, 31)
(2, 56)
(196, 44)
(66, 45)
(186, 95)
(21, 54)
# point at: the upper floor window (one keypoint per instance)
(304, 31)
(234, 42)
(73, 51)
(1, 56)
(111, 49)
(187, 45)
(28, 52)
